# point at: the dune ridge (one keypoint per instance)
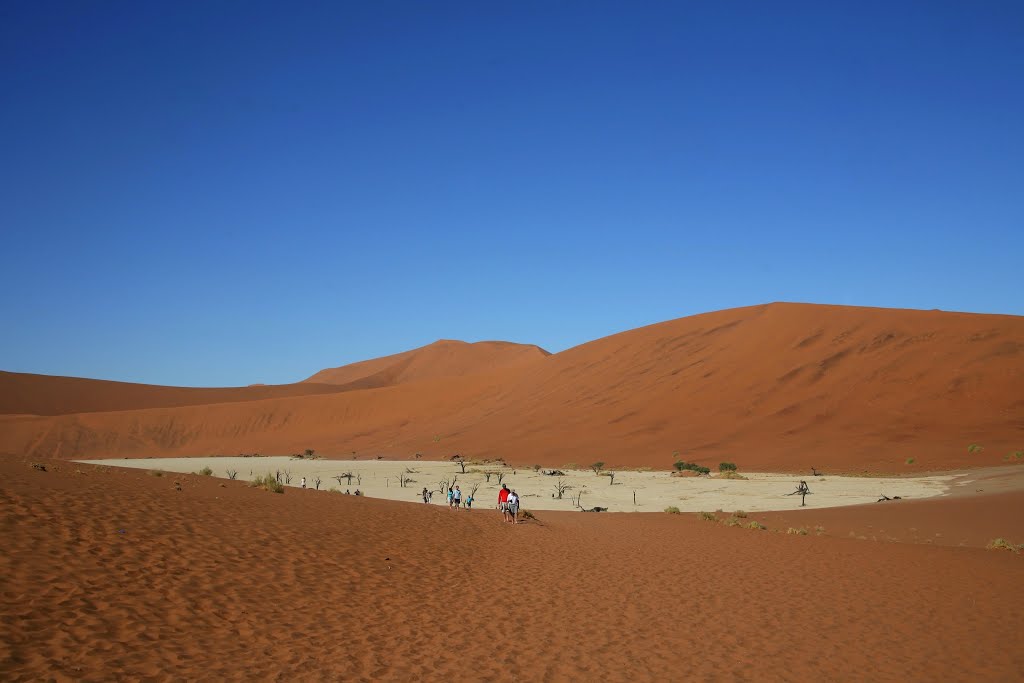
(775, 387)
(443, 358)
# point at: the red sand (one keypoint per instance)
(114, 574)
(775, 387)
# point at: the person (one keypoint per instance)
(303, 482)
(451, 496)
(513, 506)
(503, 501)
(358, 492)
(457, 498)
(426, 495)
(469, 501)
(347, 492)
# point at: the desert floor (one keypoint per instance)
(122, 574)
(654, 491)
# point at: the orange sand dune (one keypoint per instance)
(27, 394)
(116, 575)
(443, 358)
(773, 387)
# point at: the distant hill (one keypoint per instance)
(443, 358)
(776, 386)
(29, 394)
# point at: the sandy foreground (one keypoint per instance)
(121, 574)
(654, 491)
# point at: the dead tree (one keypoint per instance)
(560, 488)
(501, 475)
(460, 461)
(232, 474)
(803, 491)
(611, 478)
(287, 476)
(347, 477)
(316, 481)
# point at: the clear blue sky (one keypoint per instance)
(221, 193)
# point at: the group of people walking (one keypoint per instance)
(508, 501)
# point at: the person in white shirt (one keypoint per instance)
(513, 506)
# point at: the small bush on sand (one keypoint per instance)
(756, 525)
(267, 482)
(910, 461)
(819, 530)
(206, 471)
(975, 448)
(740, 513)
(726, 467)
(708, 516)
(232, 474)
(797, 532)
(672, 510)
(729, 474)
(1003, 544)
(732, 521)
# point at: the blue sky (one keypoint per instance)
(234, 192)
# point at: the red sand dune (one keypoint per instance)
(443, 358)
(27, 394)
(778, 386)
(116, 575)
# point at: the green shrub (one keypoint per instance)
(681, 465)
(1003, 544)
(910, 461)
(708, 516)
(732, 521)
(975, 448)
(267, 482)
(755, 525)
(726, 467)
(206, 471)
(672, 510)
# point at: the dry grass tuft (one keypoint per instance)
(672, 510)
(797, 532)
(708, 516)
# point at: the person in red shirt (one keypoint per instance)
(503, 501)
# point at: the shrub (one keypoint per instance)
(156, 473)
(267, 482)
(672, 510)
(1003, 544)
(819, 530)
(910, 461)
(232, 474)
(740, 513)
(206, 471)
(726, 467)
(732, 521)
(975, 448)
(797, 532)
(755, 525)
(729, 474)
(708, 516)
